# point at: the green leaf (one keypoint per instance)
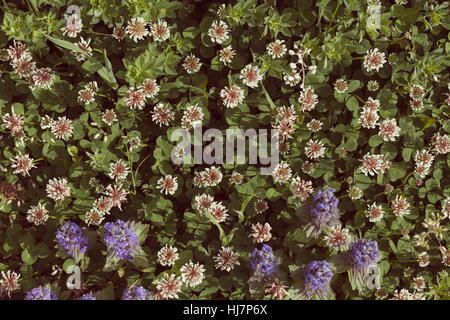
(65, 44)
(107, 73)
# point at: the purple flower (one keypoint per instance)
(363, 253)
(262, 261)
(120, 239)
(322, 211)
(41, 293)
(70, 237)
(318, 275)
(136, 293)
(88, 296)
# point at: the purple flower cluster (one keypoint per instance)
(263, 261)
(70, 237)
(120, 239)
(323, 210)
(136, 293)
(363, 252)
(88, 296)
(41, 293)
(318, 274)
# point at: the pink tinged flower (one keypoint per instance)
(212, 176)
(74, 24)
(445, 256)
(9, 282)
(135, 99)
(250, 75)
(314, 125)
(424, 157)
(94, 217)
(46, 122)
(136, 29)
(192, 117)
(86, 96)
(83, 45)
(282, 172)
(58, 189)
(24, 67)
(18, 51)
(198, 179)
(276, 49)
(167, 184)
(301, 189)
(92, 86)
(374, 212)
(226, 55)
(62, 128)
(421, 170)
(287, 114)
(440, 144)
(292, 79)
(416, 105)
(232, 96)
(119, 33)
(373, 164)
(43, 77)
(337, 238)
(192, 274)
(237, 178)
(167, 255)
(109, 117)
(162, 114)
(423, 259)
(37, 214)
(192, 64)
(8, 191)
(389, 130)
(446, 207)
(160, 31)
(150, 88)
(340, 86)
(218, 32)
(400, 206)
(169, 286)
(102, 204)
(374, 60)
(203, 202)
(261, 233)
(118, 170)
(226, 259)
(354, 193)
(260, 206)
(13, 122)
(277, 289)
(314, 149)
(308, 99)
(285, 129)
(117, 194)
(219, 212)
(419, 283)
(372, 104)
(416, 92)
(22, 164)
(368, 118)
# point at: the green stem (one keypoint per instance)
(359, 98)
(334, 14)
(137, 169)
(99, 33)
